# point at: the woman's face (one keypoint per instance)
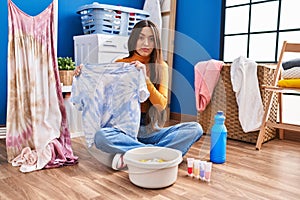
(145, 42)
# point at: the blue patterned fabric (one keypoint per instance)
(109, 95)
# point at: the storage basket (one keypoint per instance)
(109, 19)
(66, 76)
(224, 99)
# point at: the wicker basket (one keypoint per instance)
(66, 76)
(224, 99)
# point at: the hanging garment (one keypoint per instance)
(36, 116)
(244, 81)
(109, 95)
(207, 75)
(154, 10)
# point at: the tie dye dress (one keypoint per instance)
(37, 130)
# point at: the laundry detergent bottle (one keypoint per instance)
(218, 139)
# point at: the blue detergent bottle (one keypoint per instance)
(218, 139)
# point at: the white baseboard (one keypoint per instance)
(2, 132)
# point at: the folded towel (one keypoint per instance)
(207, 74)
(245, 85)
(291, 63)
(291, 73)
(289, 83)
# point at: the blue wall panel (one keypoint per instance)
(197, 39)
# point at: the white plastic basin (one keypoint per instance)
(153, 174)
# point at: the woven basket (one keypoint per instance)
(224, 99)
(66, 76)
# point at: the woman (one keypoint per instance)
(145, 53)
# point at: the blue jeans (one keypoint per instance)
(180, 136)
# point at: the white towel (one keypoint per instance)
(245, 85)
(153, 8)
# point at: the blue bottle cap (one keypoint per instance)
(220, 112)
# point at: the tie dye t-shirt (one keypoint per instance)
(109, 95)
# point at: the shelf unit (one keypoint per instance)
(277, 91)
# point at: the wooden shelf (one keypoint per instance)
(282, 90)
(285, 126)
(278, 92)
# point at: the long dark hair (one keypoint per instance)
(154, 114)
(156, 57)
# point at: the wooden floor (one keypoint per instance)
(271, 173)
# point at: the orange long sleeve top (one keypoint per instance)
(158, 96)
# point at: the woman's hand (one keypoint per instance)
(140, 66)
(77, 70)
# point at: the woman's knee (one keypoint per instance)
(197, 128)
(99, 139)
